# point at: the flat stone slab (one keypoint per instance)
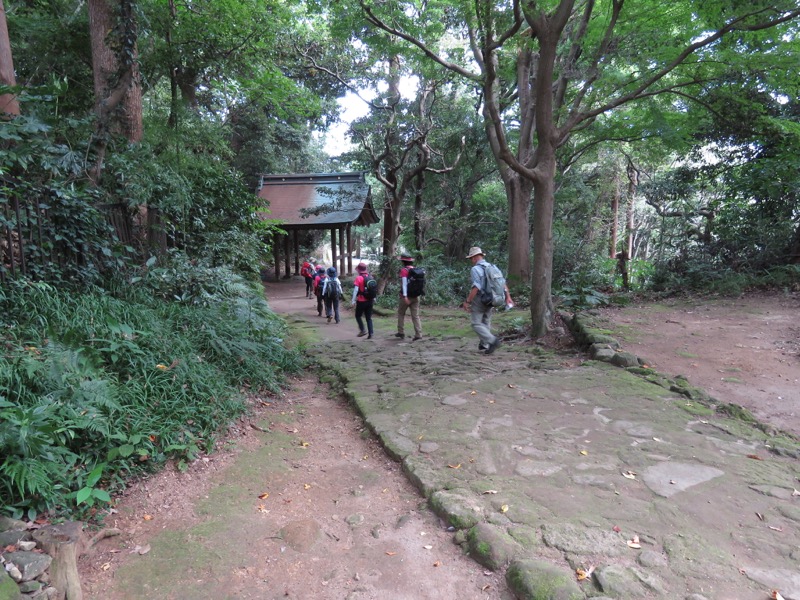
(785, 580)
(668, 478)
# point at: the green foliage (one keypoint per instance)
(96, 386)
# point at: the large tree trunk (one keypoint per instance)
(518, 193)
(9, 107)
(542, 279)
(117, 87)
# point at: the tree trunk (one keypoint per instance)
(633, 184)
(9, 106)
(117, 86)
(518, 193)
(542, 279)
(612, 242)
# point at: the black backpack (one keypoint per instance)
(416, 282)
(331, 289)
(370, 287)
(318, 289)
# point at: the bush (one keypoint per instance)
(95, 386)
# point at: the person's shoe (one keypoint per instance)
(319, 314)
(482, 346)
(416, 337)
(361, 334)
(369, 337)
(400, 335)
(493, 346)
(329, 318)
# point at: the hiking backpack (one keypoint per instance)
(318, 289)
(494, 286)
(370, 291)
(332, 290)
(416, 282)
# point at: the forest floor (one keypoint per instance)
(302, 502)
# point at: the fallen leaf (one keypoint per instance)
(306, 486)
(420, 437)
(655, 439)
(486, 587)
(672, 481)
(489, 492)
(584, 453)
(472, 393)
(10, 548)
(776, 595)
(775, 528)
(148, 517)
(391, 553)
(264, 496)
(754, 457)
(304, 444)
(760, 516)
(428, 547)
(106, 566)
(262, 508)
(581, 574)
(491, 401)
(616, 528)
(629, 475)
(634, 543)
(795, 492)
(504, 508)
(458, 466)
(438, 563)
(742, 571)
(511, 385)
(144, 549)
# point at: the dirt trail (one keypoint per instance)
(742, 350)
(340, 519)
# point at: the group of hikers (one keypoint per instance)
(487, 292)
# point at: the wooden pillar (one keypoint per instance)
(287, 259)
(296, 252)
(342, 250)
(276, 253)
(349, 249)
(333, 247)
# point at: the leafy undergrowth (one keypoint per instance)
(97, 386)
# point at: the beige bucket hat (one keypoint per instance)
(473, 251)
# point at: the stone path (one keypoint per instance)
(576, 482)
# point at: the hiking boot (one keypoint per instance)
(493, 346)
(400, 335)
(361, 334)
(482, 346)
(369, 337)
(329, 318)
(416, 337)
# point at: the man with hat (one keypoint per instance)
(406, 302)
(481, 314)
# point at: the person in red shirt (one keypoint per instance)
(407, 302)
(319, 280)
(307, 271)
(361, 302)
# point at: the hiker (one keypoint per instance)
(406, 302)
(481, 313)
(319, 280)
(307, 271)
(331, 292)
(363, 299)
